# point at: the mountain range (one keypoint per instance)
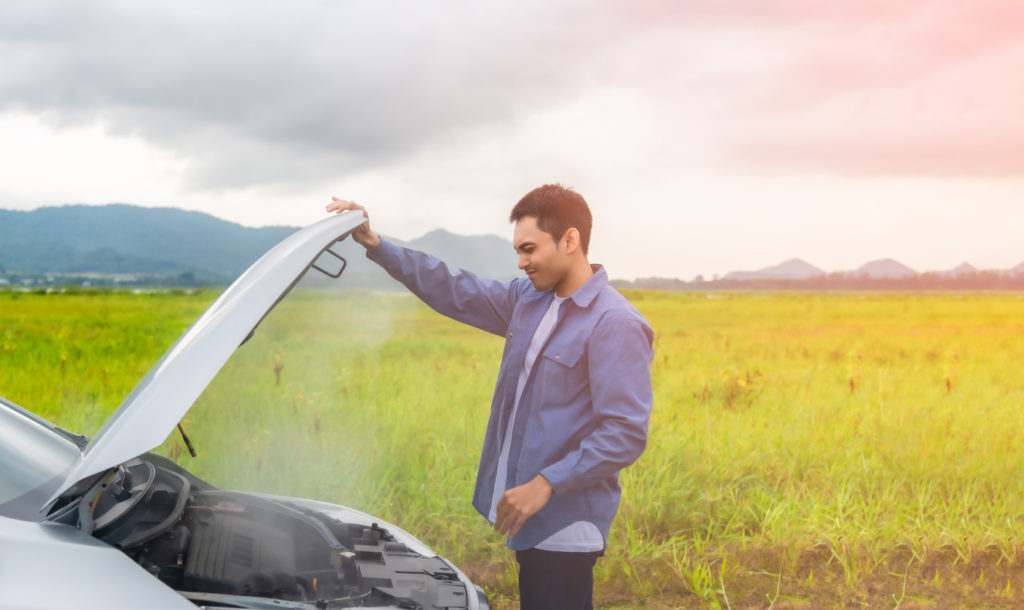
(147, 245)
(120, 239)
(882, 269)
(793, 269)
(885, 268)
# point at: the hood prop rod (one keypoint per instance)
(188, 443)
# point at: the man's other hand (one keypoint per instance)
(363, 234)
(520, 503)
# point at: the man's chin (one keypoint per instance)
(539, 286)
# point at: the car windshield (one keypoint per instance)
(33, 460)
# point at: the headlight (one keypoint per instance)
(482, 598)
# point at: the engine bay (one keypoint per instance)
(221, 547)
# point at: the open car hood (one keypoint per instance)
(162, 398)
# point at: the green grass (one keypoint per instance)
(72, 358)
(804, 448)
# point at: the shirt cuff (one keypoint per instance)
(384, 251)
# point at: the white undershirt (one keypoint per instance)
(578, 537)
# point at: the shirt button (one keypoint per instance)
(510, 335)
(557, 356)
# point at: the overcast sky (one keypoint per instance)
(707, 136)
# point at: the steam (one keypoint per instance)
(287, 412)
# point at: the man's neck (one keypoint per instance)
(578, 275)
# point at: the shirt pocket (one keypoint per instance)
(565, 373)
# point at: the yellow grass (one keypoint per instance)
(804, 448)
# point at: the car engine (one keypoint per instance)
(219, 547)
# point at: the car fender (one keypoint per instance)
(60, 567)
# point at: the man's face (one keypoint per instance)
(539, 254)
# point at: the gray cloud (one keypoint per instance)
(260, 93)
(272, 93)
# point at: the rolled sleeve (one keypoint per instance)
(619, 356)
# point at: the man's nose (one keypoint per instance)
(522, 261)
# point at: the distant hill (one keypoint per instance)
(486, 255)
(961, 269)
(122, 238)
(793, 269)
(127, 239)
(885, 274)
(885, 268)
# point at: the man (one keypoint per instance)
(573, 396)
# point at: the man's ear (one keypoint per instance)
(571, 239)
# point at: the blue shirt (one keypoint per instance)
(584, 411)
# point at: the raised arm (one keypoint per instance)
(461, 295)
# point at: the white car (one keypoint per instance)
(103, 523)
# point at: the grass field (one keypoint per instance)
(806, 450)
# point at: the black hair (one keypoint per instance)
(557, 209)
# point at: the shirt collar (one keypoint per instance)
(586, 293)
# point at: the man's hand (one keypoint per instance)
(363, 234)
(520, 503)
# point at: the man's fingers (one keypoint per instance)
(510, 524)
(509, 519)
(340, 205)
(520, 503)
(503, 520)
(504, 516)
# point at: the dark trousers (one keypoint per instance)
(550, 580)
